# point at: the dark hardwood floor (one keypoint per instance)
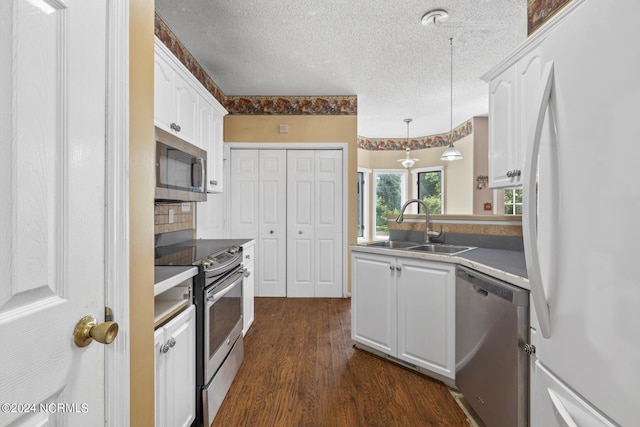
(300, 369)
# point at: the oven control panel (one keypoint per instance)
(221, 259)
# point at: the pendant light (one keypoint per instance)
(407, 162)
(451, 153)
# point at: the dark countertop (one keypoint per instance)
(508, 261)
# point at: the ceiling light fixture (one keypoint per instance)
(451, 153)
(407, 162)
(435, 17)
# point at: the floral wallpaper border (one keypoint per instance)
(540, 11)
(419, 143)
(330, 105)
(255, 105)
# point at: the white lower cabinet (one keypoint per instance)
(248, 285)
(405, 308)
(175, 374)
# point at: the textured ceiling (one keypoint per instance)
(375, 49)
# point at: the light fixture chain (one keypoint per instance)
(451, 97)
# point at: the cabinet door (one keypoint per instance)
(248, 290)
(210, 139)
(160, 376)
(502, 130)
(529, 70)
(186, 108)
(373, 301)
(426, 315)
(216, 155)
(180, 363)
(163, 93)
(272, 224)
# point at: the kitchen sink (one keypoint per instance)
(441, 249)
(393, 244)
(421, 247)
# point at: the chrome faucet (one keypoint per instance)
(426, 216)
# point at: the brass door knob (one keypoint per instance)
(88, 329)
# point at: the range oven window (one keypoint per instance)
(224, 314)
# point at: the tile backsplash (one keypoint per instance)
(171, 217)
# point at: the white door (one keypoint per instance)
(374, 301)
(328, 224)
(300, 223)
(272, 224)
(52, 111)
(314, 218)
(244, 193)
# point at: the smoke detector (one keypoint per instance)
(435, 17)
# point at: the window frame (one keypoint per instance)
(404, 191)
(415, 188)
(366, 204)
(514, 204)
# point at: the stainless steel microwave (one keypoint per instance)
(181, 169)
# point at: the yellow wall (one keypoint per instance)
(458, 190)
(141, 194)
(481, 165)
(239, 128)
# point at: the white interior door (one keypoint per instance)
(328, 257)
(314, 218)
(52, 110)
(244, 193)
(300, 223)
(272, 218)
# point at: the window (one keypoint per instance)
(513, 201)
(428, 188)
(364, 180)
(390, 192)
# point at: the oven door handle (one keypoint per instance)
(226, 288)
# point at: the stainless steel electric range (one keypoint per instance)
(218, 300)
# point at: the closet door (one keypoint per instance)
(301, 210)
(328, 225)
(272, 224)
(244, 194)
(314, 218)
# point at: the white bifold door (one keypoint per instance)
(314, 223)
(290, 201)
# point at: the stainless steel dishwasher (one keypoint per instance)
(492, 328)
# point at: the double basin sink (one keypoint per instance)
(421, 247)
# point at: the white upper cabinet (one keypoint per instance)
(185, 108)
(175, 101)
(512, 90)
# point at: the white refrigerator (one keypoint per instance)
(581, 217)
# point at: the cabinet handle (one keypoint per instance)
(164, 348)
(172, 342)
(213, 182)
(514, 173)
(175, 127)
(248, 256)
(247, 273)
(398, 268)
(392, 267)
(300, 232)
(271, 232)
